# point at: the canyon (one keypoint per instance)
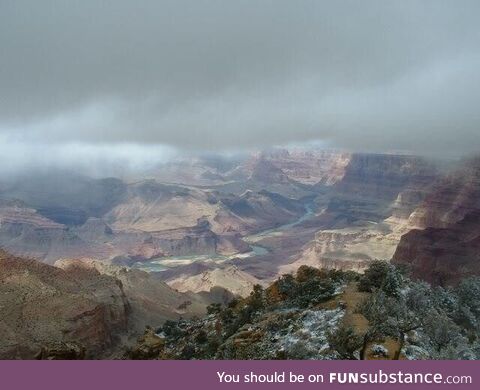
(113, 255)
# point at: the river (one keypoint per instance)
(164, 263)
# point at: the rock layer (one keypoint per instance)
(447, 248)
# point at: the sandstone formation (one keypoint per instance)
(442, 256)
(444, 247)
(451, 198)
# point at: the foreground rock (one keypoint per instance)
(320, 314)
(151, 301)
(81, 308)
(44, 305)
(288, 320)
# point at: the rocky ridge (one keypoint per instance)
(82, 306)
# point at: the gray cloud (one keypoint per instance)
(365, 75)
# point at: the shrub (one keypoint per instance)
(313, 292)
(214, 308)
(344, 341)
(172, 330)
(381, 275)
(201, 337)
(374, 276)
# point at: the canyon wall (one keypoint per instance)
(443, 247)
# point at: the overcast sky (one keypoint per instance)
(226, 75)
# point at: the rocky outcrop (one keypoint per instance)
(288, 320)
(61, 351)
(149, 346)
(203, 276)
(150, 300)
(266, 172)
(443, 247)
(372, 184)
(384, 176)
(26, 232)
(345, 249)
(442, 256)
(211, 276)
(261, 171)
(259, 211)
(42, 305)
(95, 229)
(152, 207)
(81, 308)
(451, 198)
(298, 165)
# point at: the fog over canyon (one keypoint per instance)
(210, 179)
